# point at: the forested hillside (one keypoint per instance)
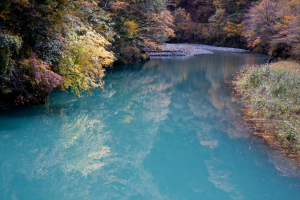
(47, 44)
(274, 27)
(216, 22)
(265, 26)
(63, 44)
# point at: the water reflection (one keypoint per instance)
(165, 129)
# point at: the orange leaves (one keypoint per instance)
(150, 44)
(219, 3)
(256, 42)
(261, 23)
(265, 12)
(288, 18)
(119, 5)
(159, 27)
(164, 20)
(89, 4)
(184, 24)
(273, 24)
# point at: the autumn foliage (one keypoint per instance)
(266, 26)
(140, 26)
(41, 75)
(214, 22)
(273, 26)
(67, 44)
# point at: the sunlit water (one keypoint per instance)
(164, 129)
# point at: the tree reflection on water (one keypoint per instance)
(156, 126)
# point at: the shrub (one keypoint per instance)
(273, 94)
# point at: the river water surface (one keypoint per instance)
(163, 129)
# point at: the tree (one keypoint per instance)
(233, 29)
(50, 44)
(273, 26)
(140, 26)
(216, 20)
(211, 21)
(183, 25)
(260, 24)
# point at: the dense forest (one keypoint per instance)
(217, 22)
(266, 26)
(48, 44)
(62, 44)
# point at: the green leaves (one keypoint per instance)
(272, 93)
(9, 44)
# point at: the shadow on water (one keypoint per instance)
(164, 129)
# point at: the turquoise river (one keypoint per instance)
(163, 129)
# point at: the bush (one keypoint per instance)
(131, 55)
(273, 94)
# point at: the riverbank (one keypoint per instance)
(180, 49)
(272, 104)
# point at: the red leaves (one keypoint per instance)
(34, 14)
(43, 76)
(26, 7)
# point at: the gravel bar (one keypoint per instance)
(190, 50)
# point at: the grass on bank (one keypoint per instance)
(272, 95)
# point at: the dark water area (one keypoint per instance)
(163, 129)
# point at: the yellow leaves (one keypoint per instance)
(83, 62)
(233, 30)
(162, 23)
(132, 28)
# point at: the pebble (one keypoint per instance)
(180, 49)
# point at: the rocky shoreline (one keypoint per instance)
(180, 49)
